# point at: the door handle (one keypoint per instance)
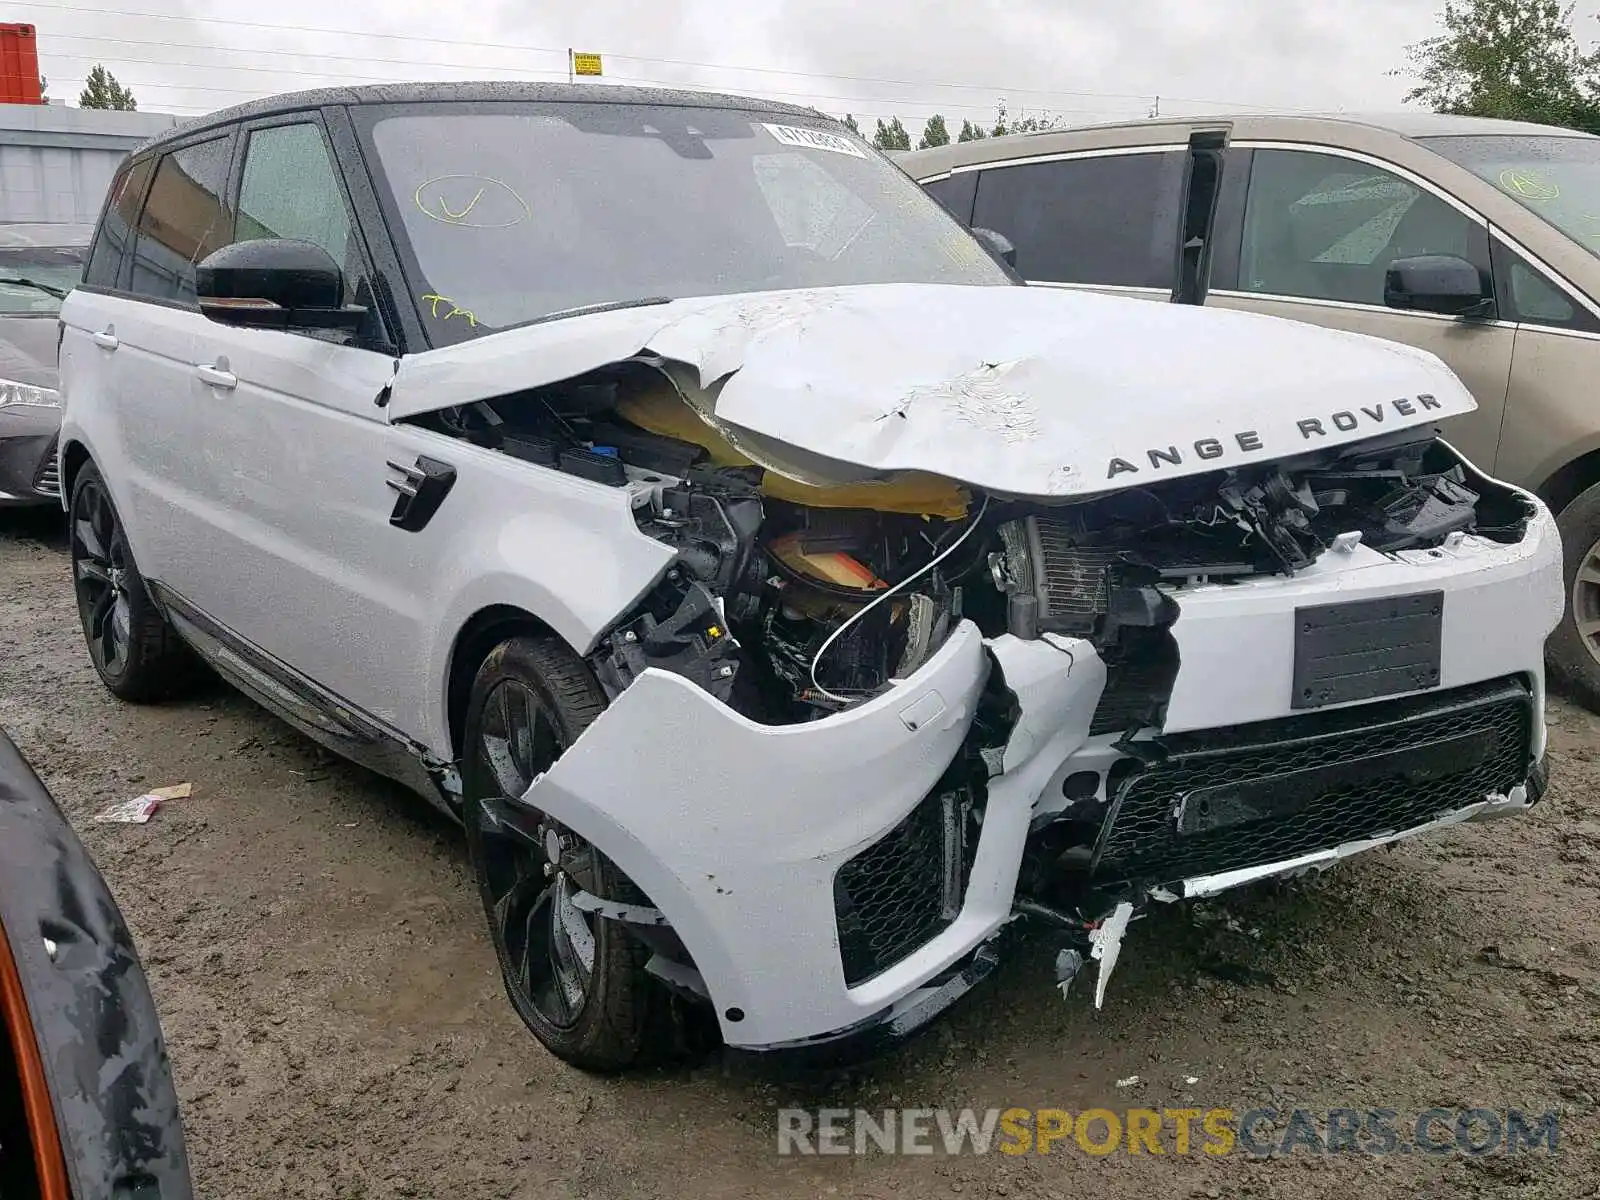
(106, 340)
(218, 376)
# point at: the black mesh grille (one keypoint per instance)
(904, 889)
(1256, 794)
(46, 481)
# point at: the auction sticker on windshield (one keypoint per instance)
(814, 139)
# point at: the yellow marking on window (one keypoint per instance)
(435, 300)
(1530, 185)
(462, 215)
(430, 201)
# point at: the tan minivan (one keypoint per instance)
(1478, 240)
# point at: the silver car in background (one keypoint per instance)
(39, 265)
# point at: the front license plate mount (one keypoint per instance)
(1365, 649)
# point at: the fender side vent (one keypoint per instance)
(422, 490)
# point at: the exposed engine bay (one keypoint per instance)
(791, 598)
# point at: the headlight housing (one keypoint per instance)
(12, 392)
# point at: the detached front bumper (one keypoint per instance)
(834, 898)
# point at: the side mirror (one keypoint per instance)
(1437, 283)
(998, 244)
(275, 283)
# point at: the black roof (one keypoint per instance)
(422, 93)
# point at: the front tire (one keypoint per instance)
(577, 981)
(1574, 648)
(136, 653)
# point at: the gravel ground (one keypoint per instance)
(338, 1030)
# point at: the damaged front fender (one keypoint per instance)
(735, 830)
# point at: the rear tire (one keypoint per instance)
(1574, 648)
(577, 981)
(136, 653)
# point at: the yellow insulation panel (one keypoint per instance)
(662, 411)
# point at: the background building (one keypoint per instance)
(56, 162)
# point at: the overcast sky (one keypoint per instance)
(1083, 60)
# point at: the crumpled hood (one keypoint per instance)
(1022, 391)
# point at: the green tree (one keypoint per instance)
(970, 132)
(850, 124)
(1035, 123)
(1005, 123)
(892, 136)
(101, 90)
(1514, 59)
(44, 89)
(934, 133)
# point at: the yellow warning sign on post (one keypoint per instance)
(585, 64)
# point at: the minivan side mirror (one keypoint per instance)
(998, 244)
(275, 283)
(1437, 283)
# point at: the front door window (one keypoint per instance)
(1325, 227)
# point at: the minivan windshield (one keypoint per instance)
(1555, 178)
(510, 212)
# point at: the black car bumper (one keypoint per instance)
(878, 1034)
(28, 455)
(99, 1039)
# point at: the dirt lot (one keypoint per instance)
(338, 1029)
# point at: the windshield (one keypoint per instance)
(512, 212)
(1555, 178)
(60, 268)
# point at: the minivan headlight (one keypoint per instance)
(12, 392)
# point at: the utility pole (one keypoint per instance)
(1155, 109)
(570, 61)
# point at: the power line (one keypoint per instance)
(290, 71)
(1001, 89)
(911, 102)
(561, 72)
(906, 110)
(261, 50)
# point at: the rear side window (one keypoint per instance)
(956, 193)
(184, 220)
(1530, 297)
(113, 242)
(1109, 220)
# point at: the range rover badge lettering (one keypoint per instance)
(1248, 441)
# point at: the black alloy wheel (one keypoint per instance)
(136, 653)
(576, 979)
(100, 572)
(534, 866)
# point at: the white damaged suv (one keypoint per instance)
(785, 598)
